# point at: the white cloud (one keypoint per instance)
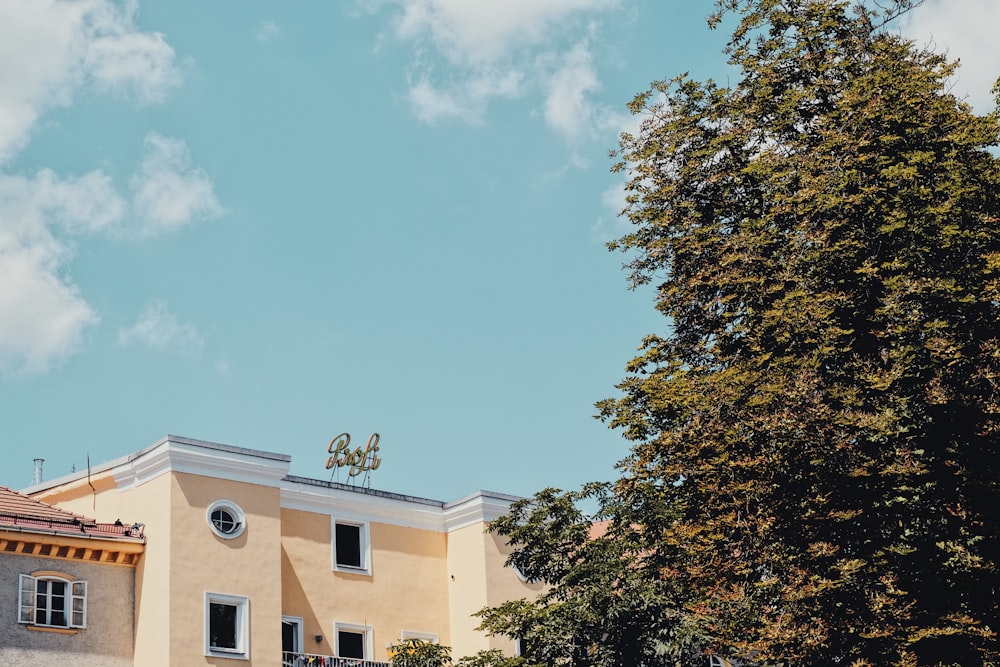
(503, 49)
(965, 29)
(569, 108)
(484, 32)
(159, 329)
(268, 31)
(42, 314)
(49, 49)
(465, 100)
(566, 107)
(169, 191)
(30, 206)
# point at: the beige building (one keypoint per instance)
(247, 563)
(63, 580)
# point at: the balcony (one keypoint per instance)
(315, 660)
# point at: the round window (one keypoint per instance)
(226, 519)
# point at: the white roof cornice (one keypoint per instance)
(196, 457)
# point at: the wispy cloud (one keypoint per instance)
(268, 31)
(160, 329)
(966, 30)
(497, 50)
(42, 313)
(169, 191)
(49, 50)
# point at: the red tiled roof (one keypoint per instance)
(24, 512)
(13, 503)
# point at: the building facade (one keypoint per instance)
(245, 564)
(67, 586)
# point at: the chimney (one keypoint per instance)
(38, 471)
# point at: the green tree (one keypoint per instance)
(822, 410)
(491, 658)
(419, 653)
(605, 603)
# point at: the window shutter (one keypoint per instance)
(26, 599)
(78, 605)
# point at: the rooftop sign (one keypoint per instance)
(361, 459)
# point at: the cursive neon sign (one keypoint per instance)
(362, 459)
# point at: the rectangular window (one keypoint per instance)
(226, 625)
(352, 641)
(51, 601)
(351, 552)
(291, 634)
(430, 637)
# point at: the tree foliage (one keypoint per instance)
(824, 407)
(604, 604)
(419, 653)
(815, 469)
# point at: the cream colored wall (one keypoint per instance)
(99, 502)
(150, 503)
(466, 588)
(200, 562)
(476, 563)
(406, 588)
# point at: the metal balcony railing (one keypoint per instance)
(316, 660)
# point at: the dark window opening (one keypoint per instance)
(348, 541)
(222, 626)
(351, 644)
(224, 521)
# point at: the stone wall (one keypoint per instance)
(107, 641)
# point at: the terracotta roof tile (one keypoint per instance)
(25, 513)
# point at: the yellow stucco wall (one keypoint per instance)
(200, 562)
(466, 588)
(405, 590)
(152, 576)
(96, 503)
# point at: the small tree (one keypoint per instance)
(491, 658)
(419, 653)
(605, 603)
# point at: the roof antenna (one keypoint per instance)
(89, 484)
(38, 472)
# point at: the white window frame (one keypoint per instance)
(366, 630)
(364, 536)
(27, 600)
(300, 639)
(242, 604)
(430, 637)
(232, 508)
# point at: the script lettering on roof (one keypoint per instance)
(361, 459)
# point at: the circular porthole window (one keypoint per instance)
(226, 519)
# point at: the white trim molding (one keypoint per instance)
(364, 547)
(365, 630)
(241, 650)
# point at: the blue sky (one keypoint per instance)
(267, 223)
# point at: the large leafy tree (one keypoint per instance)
(822, 411)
